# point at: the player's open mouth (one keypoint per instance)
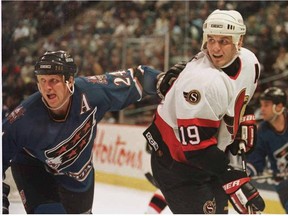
(217, 56)
(51, 96)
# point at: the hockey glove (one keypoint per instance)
(5, 204)
(166, 79)
(242, 193)
(246, 134)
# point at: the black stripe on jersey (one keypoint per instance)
(257, 73)
(205, 133)
(233, 69)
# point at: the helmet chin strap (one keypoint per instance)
(276, 114)
(71, 93)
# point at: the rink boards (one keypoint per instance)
(120, 158)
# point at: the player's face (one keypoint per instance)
(53, 89)
(266, 108)
(220, 49)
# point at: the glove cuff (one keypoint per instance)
(233, 180)
(232, 175)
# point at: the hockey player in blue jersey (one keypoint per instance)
(272, 141)
(47, 140)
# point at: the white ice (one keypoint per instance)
(110, 199)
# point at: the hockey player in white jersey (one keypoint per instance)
(197, 122)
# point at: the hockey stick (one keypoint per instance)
(244, 167)
(280, 175)
(151, 179)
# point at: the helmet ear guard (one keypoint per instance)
(224, 22)
(56, 63)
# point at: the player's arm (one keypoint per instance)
(256, 160)
(8, 149)
(142, 78)
(116, 90)
(246, 134)
(166, 79)
(147, 78)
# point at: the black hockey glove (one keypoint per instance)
(242, 193)
(5, 193)
(246, 135)
(166, 79)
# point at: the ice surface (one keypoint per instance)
(110, 199)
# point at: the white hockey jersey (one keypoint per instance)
(205, 104)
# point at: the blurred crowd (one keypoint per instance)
(110, 35)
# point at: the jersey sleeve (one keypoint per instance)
(117, 90)
(9, 147)
(148, 79)
(258, 156)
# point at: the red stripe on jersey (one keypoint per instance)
(155, 207)
(199, 122)
(167, 133)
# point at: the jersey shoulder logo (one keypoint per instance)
(193, 97)
(100, 79)
(16, 114)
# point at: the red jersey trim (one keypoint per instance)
(169, 138)
(176, 148)
(199, 122)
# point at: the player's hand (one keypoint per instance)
(242, 194)
(166, 79)
(246, 135)
(5, 193)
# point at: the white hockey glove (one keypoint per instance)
(5, 201)
(166, 79)
(242, 193)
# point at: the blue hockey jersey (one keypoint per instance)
(273, 145)
(65, 147)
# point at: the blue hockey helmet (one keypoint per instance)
(56, 62)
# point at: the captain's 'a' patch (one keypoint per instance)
(193, 97)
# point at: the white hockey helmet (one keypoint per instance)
(224, 22)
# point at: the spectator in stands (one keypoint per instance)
(281, 63)
(99, 21)
(21, 34)
(27, 70)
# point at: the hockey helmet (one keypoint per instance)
(224, 22)
(56, 62)
(274, 94)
